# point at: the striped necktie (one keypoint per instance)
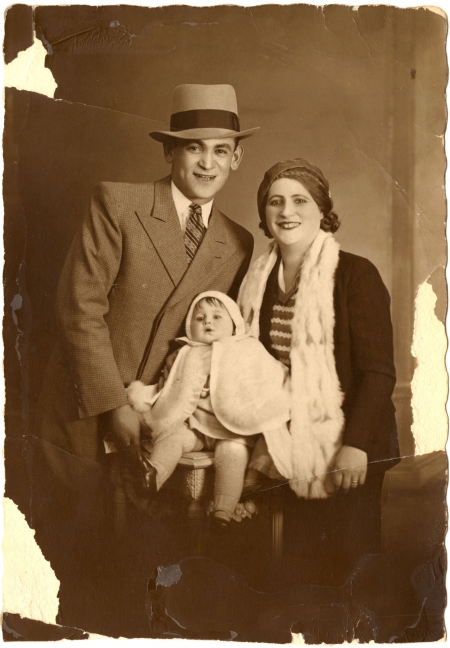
(195, 230)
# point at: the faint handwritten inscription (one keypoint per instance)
(96, 37)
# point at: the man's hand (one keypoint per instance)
(167, 367)
(350, 467)
(124, 425)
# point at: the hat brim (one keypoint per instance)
(203, 134)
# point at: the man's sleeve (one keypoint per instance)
(372, 357)
(88, 275)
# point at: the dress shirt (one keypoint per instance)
(182, 206)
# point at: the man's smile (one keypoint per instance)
(204, 178)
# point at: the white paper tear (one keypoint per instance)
(30, 587)
(28, 71)
(94, 637)
(298, 638)
(429, 385)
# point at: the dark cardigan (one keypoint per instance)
(363, 350)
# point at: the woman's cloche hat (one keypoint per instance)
(203, 112)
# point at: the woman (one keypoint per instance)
(325, 314)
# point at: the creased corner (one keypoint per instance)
(437, 10)
(28, 71)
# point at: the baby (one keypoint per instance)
(222, 390)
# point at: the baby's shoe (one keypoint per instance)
(252, 481)
(148, 473)
(138, 471)
(221, 519)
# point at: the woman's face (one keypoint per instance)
(292, 215)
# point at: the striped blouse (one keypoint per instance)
(280, 322)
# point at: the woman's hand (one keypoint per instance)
(350, 468)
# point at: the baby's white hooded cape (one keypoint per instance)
(249, 393)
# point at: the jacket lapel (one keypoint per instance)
(213, 252)
(160, 221)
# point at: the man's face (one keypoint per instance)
(200, 168)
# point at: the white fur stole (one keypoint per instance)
(317, 419)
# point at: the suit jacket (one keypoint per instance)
(123, 296)
(363, 349)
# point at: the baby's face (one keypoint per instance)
(210, 324)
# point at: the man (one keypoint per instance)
(142, 254)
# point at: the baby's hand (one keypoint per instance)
(137, 396)
(205, 391)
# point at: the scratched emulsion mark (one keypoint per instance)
(16, 304)
(98, 37)
(429, 385)
(30, 587)
(168, 576)
(28, 71)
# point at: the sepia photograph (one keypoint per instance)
(224, 323)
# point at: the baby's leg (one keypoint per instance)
(167, 451)
(230, 459)
(260, 455)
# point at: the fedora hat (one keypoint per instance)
(203, 112)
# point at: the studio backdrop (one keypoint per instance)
(358, 93)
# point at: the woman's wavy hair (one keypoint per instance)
(312, 178)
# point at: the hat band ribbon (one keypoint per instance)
(189, 119)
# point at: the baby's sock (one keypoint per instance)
(230, 458)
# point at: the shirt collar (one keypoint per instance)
(182, 204)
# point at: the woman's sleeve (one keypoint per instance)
(371, 357)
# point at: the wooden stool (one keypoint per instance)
(277, 521)
(193, 481)
(193, 478)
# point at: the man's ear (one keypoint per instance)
(238, 154)
(168, 146)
